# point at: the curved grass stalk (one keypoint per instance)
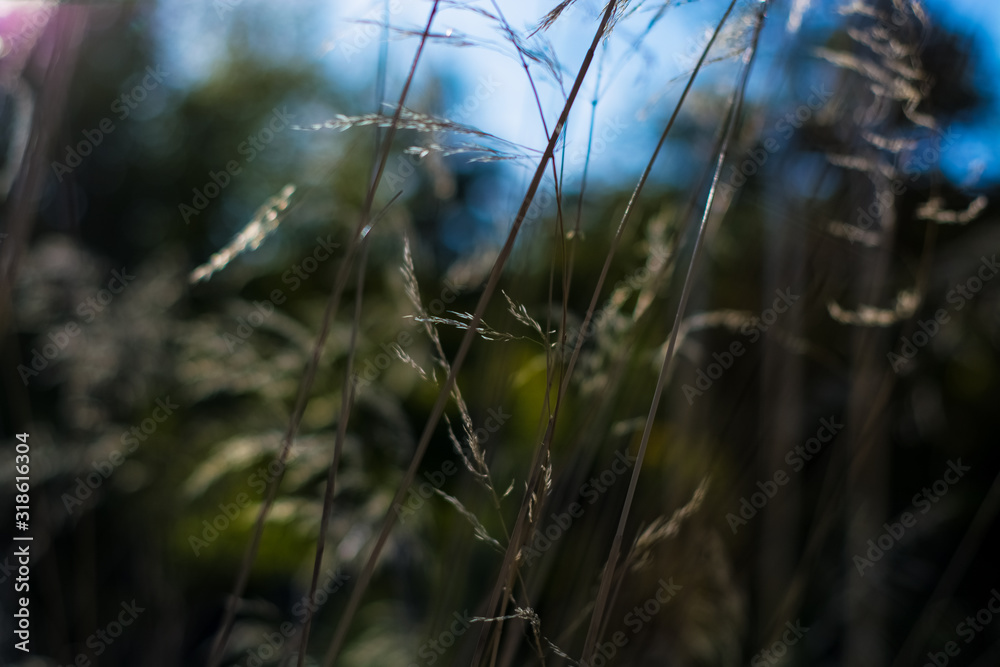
(542, 451)
(389, 522)
(364, 227)
(347, 400)
(609, 568)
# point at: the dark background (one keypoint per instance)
(164, 338)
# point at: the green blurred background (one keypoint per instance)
(169, 523)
